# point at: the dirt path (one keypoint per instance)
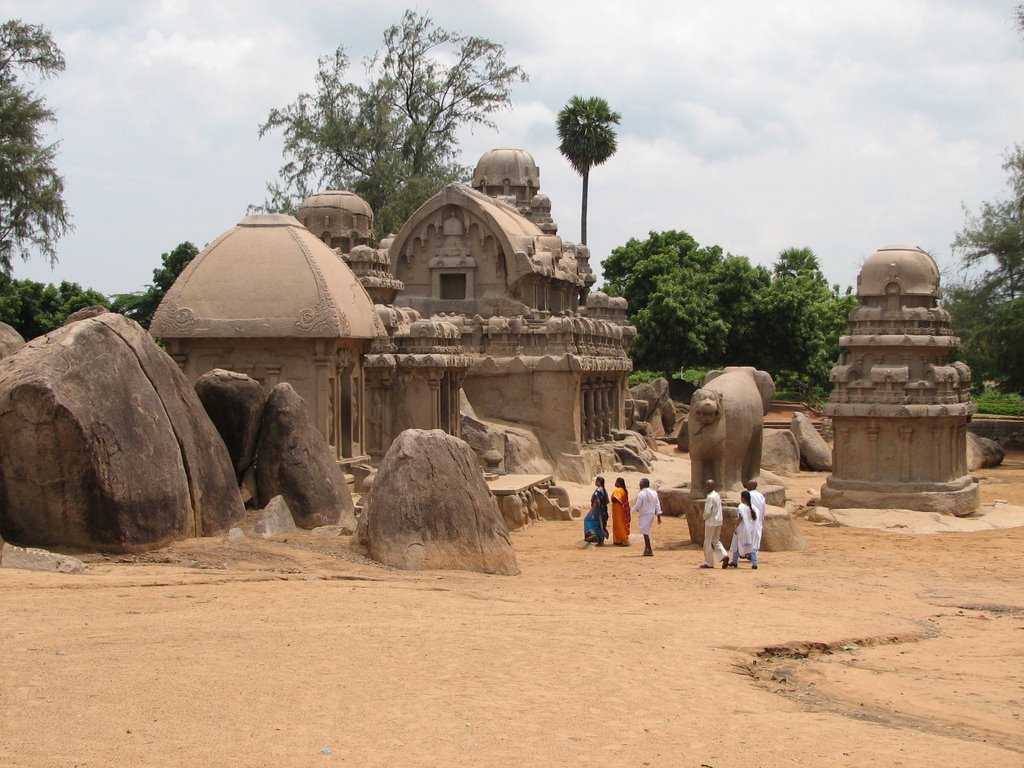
(869, 649)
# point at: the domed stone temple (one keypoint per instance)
(268, 299)
(476, 303)
(899, 407)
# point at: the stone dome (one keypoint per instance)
(338, 199)
(337, 210)
(267, 277)
(907, 266)
(515, 165)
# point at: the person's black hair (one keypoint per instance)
(599, 480)
(644, 482)
(620, 482)
(745, 497)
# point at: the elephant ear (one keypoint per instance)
(766, 386)
(711, 376)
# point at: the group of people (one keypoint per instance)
(746, 541)
(646, 510)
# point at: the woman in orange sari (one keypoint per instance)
(620, 513)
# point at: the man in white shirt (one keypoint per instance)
(646, 509)
(758, 504)
(713, 528)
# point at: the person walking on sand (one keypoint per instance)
(743, 538)
(713, 528)
(599, 504)
(647, 508)
(758, 503)
(620, 513)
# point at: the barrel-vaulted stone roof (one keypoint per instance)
(525, 248)
(267, 277)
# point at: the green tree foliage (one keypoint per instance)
(586, 138)
(33, 309)
(803, 318)
(993, 239)
(987, 303)
(140, 306)
(393, 141)
(32, 212)
(668, 280)
(699, 308)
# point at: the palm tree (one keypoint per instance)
(586, 139)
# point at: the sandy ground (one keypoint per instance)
(870, 648)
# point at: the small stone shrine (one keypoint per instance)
(899, 407)
(270, 300)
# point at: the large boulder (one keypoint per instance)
(430, 509)
(85, 313)
(513, 450)
(104, 444)
(234, 403)
(296, 462)
(780, 451)
(10, 340)
(779, 533)
(657, 410)
(983, 453)
(815, 453)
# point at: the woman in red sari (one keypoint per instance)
(620, 514)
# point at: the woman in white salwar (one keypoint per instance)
(746, 529)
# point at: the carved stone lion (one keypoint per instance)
(725, 422)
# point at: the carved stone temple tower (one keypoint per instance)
(899, 407)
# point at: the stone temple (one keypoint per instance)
(899, 407)
(476, 306)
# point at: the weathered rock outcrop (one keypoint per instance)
(10, 340)
(429, 508)
(657, 411)
(104, 444)
(85, 313)
(815, 453)
(234, 402)
(296, 462)
(780, 451)
(983, 453)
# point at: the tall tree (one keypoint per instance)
(806, 317)
(140, 306)
(993, 240)
(394, 141)
(586, 138)
(697, 307)
(33, 216)
(987, 303)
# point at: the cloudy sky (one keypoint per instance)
(756, 126)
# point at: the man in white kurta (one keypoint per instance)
(713, 528)
(758, 504)
(646, 509)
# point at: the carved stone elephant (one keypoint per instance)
(725, 423)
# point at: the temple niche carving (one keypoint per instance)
(899, 407)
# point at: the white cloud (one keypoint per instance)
(756, 126)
